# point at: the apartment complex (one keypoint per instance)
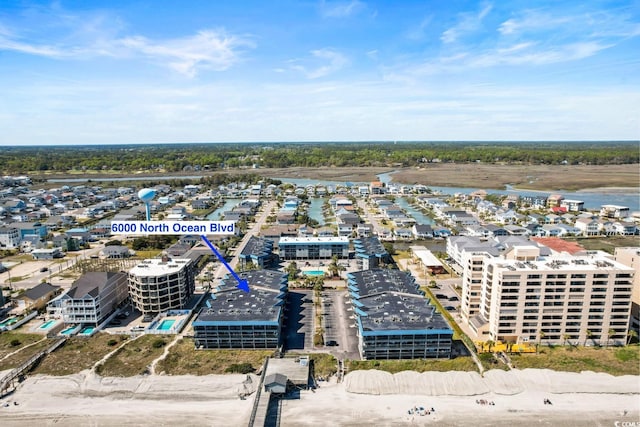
(468, 255)
(394, 319)
(157, 285)
(233, 318)
(93, 297)
(525, 293)
(258, 251)
(313, 247)
(370, 253)
(631, 258)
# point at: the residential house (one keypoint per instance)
(588, 226)
(93, 297)
(37, 297)
(422, 231)
(115, 252)
(614, 211)
(47, 254)
(9, 237)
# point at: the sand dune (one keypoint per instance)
(367, 398)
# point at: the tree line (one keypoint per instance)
(203, 157)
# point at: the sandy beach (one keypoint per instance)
(365, 398)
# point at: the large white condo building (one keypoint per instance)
(525, 293)
(157, 285)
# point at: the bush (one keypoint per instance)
(240, 368)
(158, 343)
(15, 342)
(112, 342)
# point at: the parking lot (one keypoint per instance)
(339, 324)
(447, 296)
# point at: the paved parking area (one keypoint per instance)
(339, 325)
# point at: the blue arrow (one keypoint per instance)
(242, 284)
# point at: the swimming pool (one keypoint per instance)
(313, 273)
(47, 324)
(166, 324)
(8, 322)
(87, 331)
(68, 331)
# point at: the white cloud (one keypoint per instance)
(89, 35)
(467, 23)
(341, 9)
(418, 32)
(211, 50)
(324, 62)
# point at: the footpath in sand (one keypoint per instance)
(365, 398)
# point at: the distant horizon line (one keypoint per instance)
(381, 141)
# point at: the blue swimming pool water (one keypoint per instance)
(8, 322)
(87, 331)
(68, 330)
(166, 324)
(313, 273)
(47, 324)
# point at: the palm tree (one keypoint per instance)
(565, 337)
(292, 270)
(334, 269)
(631, 335)
(589, 334)
(490, 345)
(610, 334)
(541, 336)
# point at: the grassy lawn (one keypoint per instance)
(78, 353)
(133, 358)
(183, 359)
(8, 344)
(614, 360)
(146, 254)
(6, 347)
(418, 365)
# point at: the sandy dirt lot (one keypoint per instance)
(88, 400)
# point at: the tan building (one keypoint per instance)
(158, 285)
(559, 299)
(631, 258)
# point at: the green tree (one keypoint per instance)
(292, 270)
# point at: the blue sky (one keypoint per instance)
(127, 71)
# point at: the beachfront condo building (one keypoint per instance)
(158, 285)
(630, 257)
(303, 248)
(468, 255)
(93, 297)
(233, 318)
(394, 319)
(530, 295)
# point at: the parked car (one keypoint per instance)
(453, 298)
(44, 269)
(331, 343)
